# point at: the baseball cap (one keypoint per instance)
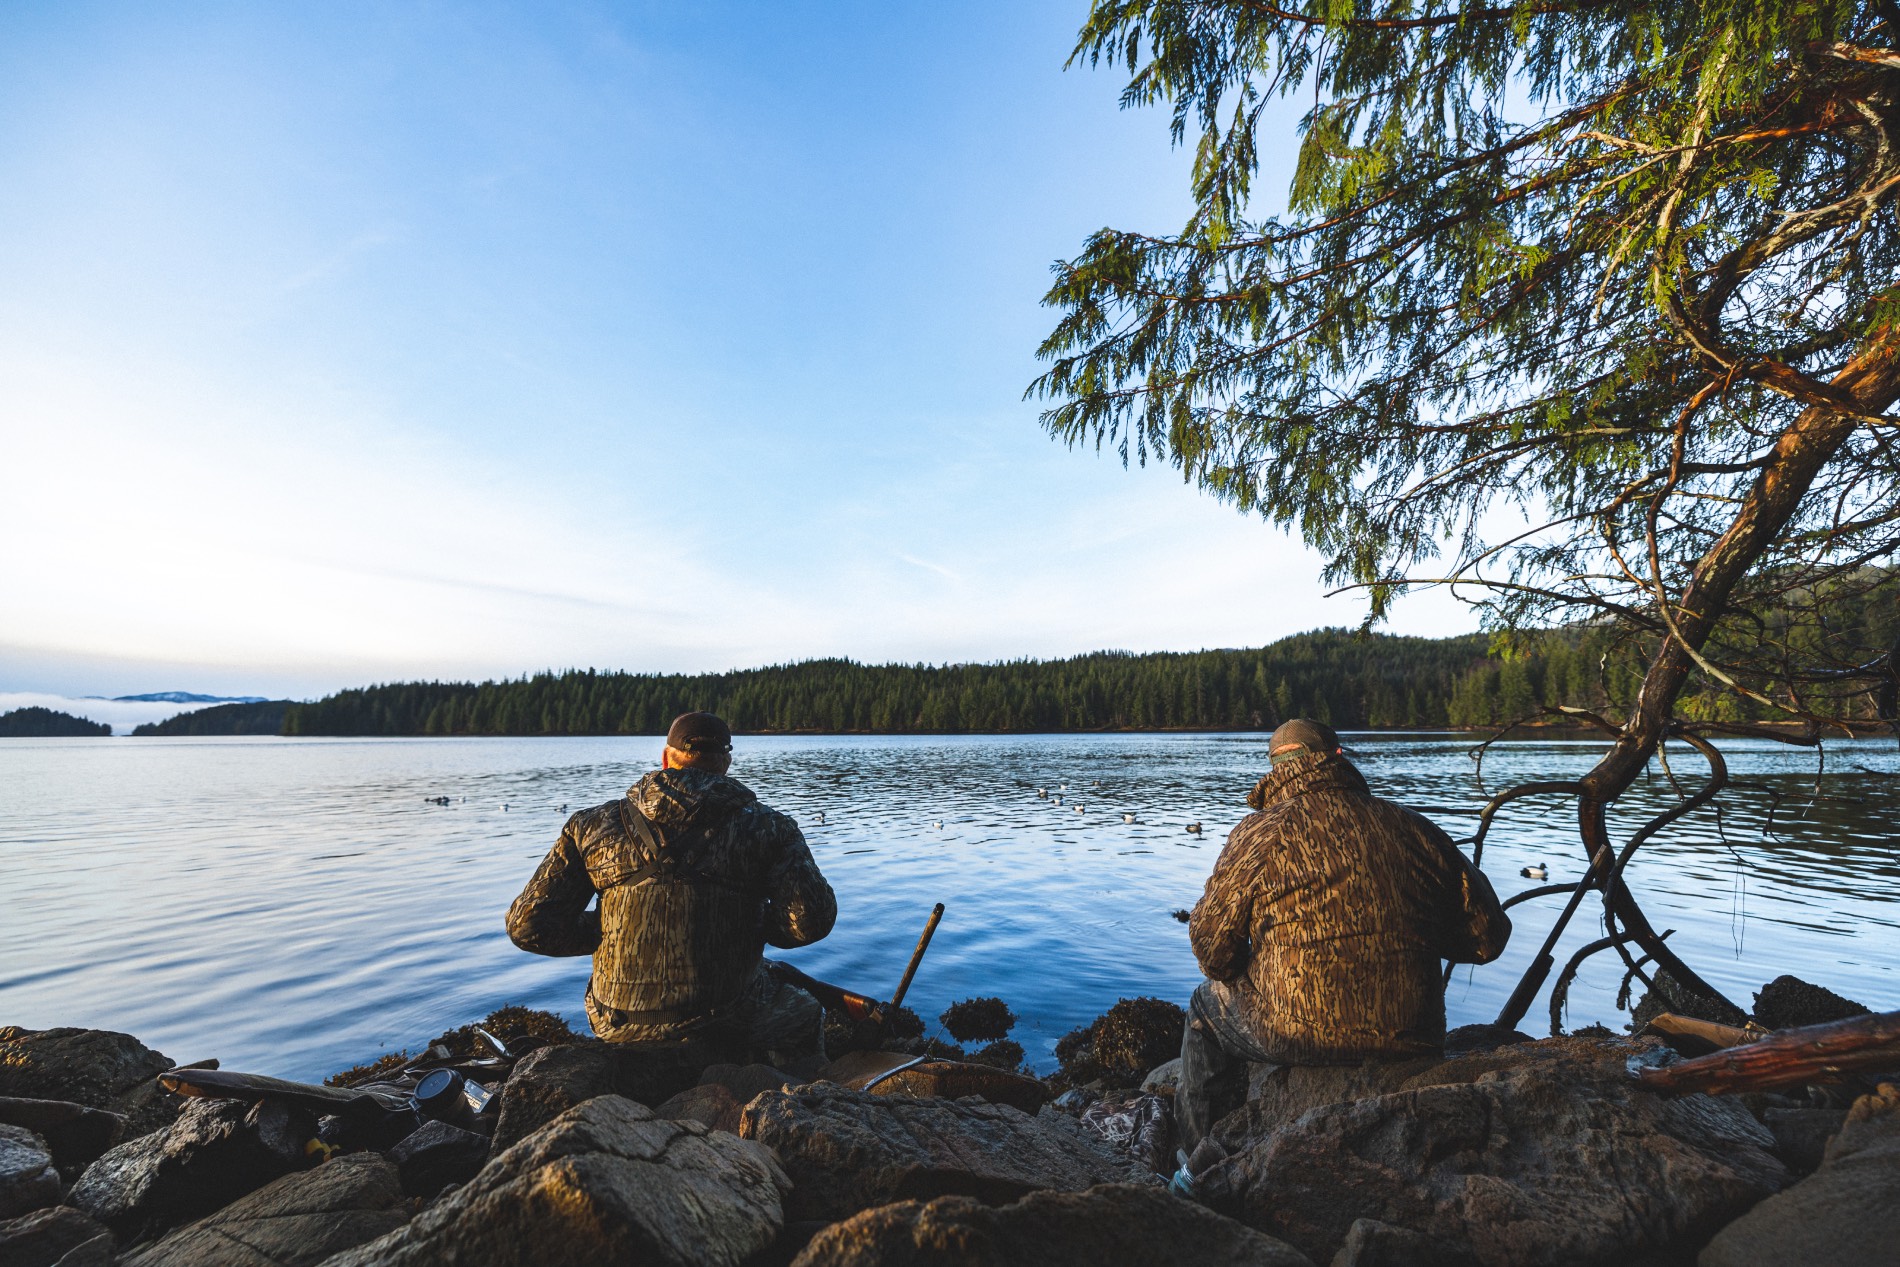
(1299, 737)
(699, 732)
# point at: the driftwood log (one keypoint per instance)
(1788, 1058)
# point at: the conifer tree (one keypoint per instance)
(1624, 269)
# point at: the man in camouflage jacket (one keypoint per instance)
(1323, 929)
(695, 878)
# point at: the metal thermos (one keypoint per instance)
(445, 1095)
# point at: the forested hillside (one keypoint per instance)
(45, 723)
(1332, 675)
(1350, 680)
(262, 718)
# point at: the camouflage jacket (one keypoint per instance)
(680, 934)
(1337, 907)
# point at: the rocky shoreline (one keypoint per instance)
(1509, 1151)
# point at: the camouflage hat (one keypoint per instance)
(699, 732)
(1299, 737)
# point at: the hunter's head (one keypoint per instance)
(699, 741)
(1301, 737)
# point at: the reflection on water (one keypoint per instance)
(292, 906)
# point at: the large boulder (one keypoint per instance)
(292, 1221)
(849, 1150)
(215, 1152)
(76, 1134)
(605, 1182)
(549, 1082)
(28, 1180)
(94, 1067)
(711, 1104)
(58, 1234)
(1112, 1224)
(1847, 1214)
(1549, 1154)
(436, 1155)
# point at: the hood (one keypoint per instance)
(669, 798)
(1306, 774)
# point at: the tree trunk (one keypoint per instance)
(1815, 436)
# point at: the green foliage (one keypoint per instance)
(1625, 270)
(45, 723)
(1338, 677)
(266, 718)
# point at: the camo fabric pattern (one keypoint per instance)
(1330, 910)
(681, 944)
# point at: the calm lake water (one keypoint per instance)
(295, 906)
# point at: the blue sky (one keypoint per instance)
(357, 341)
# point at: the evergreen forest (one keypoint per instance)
(1347, 679)
(46, 723)
(265, 718)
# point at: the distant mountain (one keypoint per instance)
(44, 723)
(246, 717)
(186, 697)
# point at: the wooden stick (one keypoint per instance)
(916, 957)
(1788, 1058)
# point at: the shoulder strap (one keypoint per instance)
(657, 864)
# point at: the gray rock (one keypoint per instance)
(1846, 1214)
(437, 1155)
(1112, 1224)
(1802, 1135)
(98, 1068)
(1278, 1094)
(605, 1182)
(215, 1152)
(1370, 1243)
(47, 1236)
(553, 1080)
(1166, 1075)
(28, 1180)
(1554, 1159)
(849, 1150)
(711, 1104)
(292, 1221)
(76, 1134)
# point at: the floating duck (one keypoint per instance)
(1063, 788)
(1128, 818)
(1043, 792)
(1538, 872)
(1195, 828)
(818, 817)
(1056, 800)
(939, 824)
(1078, 809)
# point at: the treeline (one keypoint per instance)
(1336, 676)
(46, 723)
(262, 718)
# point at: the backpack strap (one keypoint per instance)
(657, 864)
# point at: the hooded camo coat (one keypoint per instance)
(683, 939)
(1334, 909)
